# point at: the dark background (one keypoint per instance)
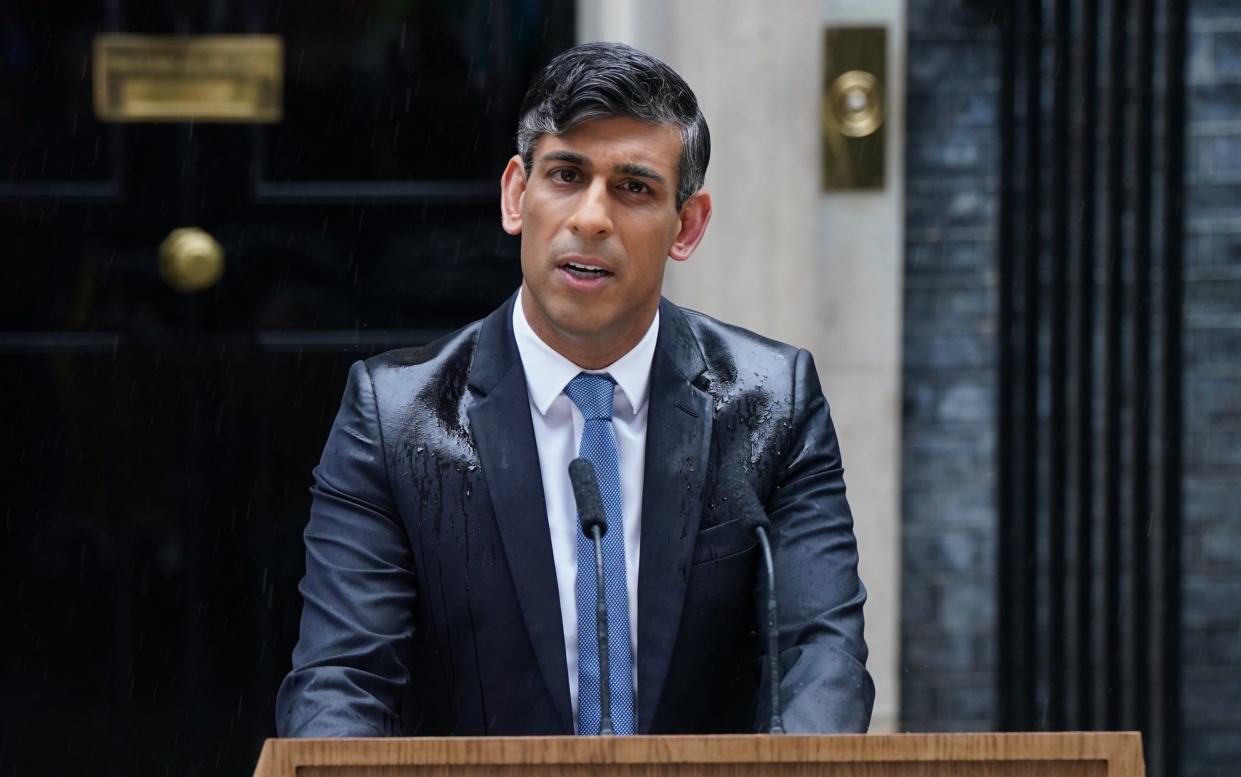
(157, 446)
(954, 676)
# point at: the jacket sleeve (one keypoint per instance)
(825, 686)
(349, 667)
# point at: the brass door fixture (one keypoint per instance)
(190, 260)
(855, 104)
(221, 78)
(854, 108)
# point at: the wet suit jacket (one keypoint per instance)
(430, 598)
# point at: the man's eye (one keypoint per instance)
(635, 187)
(565, 175)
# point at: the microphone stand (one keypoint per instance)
(594, 524)
(751, 511)
(601, 634)
(773, 636)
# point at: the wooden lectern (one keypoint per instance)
(899, 755)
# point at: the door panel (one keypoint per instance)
(159, 444)
(48, 131)
(419, 91)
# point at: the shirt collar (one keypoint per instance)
(548, 372)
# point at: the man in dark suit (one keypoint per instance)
(448, 589)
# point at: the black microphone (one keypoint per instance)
(594, 525)
(755, 518)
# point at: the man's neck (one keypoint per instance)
(589, 353)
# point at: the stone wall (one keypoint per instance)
(948, 503)
(1212, 605)
(948, 621)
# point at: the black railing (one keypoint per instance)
(1090, 443)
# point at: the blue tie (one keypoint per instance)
(593, 396)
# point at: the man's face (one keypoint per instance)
(597, 218)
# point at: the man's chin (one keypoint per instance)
(583, 329)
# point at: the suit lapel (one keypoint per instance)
(504, 436)
(677, 444)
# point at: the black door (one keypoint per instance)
(158, 444)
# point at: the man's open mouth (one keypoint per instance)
(584, 270)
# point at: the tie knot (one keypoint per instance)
(592, 393)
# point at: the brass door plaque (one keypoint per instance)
(854, 108)
(224, 78)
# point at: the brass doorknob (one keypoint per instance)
(855, 104)
(190, 260)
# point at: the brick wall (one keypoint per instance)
(948, 591)
(948, 620)
(1212, 668)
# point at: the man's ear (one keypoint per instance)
(695, 214)
(512, 189)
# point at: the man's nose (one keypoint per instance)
(592, 218)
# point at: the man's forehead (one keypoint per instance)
(616, 141)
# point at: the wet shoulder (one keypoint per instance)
(741, 360)
(426, 379)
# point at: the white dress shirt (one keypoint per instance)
(558, 434)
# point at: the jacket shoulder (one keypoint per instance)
(424, 385)
(403, 365)
(738, 358)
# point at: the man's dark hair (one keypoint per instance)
(609, 80)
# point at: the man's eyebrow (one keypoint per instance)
(566, 156)
(641, 171)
